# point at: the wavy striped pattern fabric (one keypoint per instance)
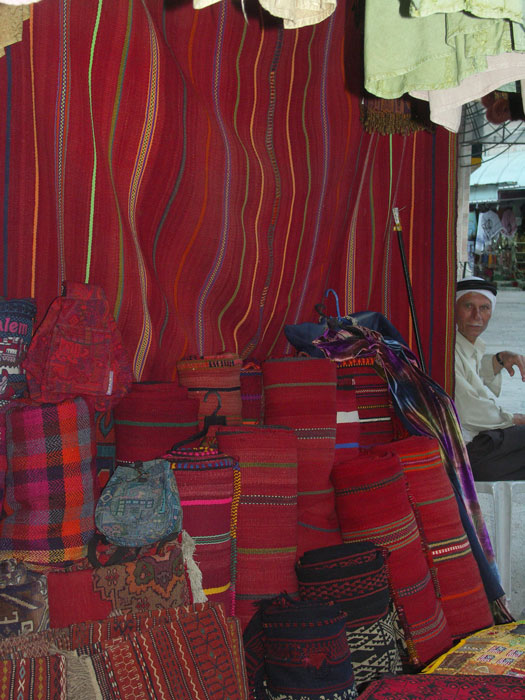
(462, 594)
(372, 502)
(267, 514)
(213, 176)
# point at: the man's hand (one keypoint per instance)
(518, 419)
(510, 360)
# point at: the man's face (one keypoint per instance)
(473, 312)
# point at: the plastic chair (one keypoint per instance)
(502, 493)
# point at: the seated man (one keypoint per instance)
(495, 438)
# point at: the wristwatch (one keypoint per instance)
(499, 360)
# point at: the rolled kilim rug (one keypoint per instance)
(209, 489)
(300, 392)
(216, 382)
(463, 597)
(153, 417)
(298, 649)
(373, 504)
(267, 516)
(354, 575)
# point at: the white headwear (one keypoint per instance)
(479, 286)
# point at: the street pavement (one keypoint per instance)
(506, 331)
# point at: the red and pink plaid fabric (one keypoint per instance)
(51, 483)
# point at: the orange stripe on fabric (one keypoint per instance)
(35, 141)
(453, 596)
(261, 193)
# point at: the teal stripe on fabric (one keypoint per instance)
(7, 161)
(324, 180)
(223, 236)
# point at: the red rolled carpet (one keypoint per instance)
(373, 504)
(267, 515)
(462, 593)
(151, 418)
(300, 392)
(209, 488)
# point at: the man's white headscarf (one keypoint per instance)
(479, 286)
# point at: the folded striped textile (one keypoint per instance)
(152, 418)
(32, 678)
(215, 381)
(191, 656)
(425, 407)
(465, 687)
(354, 575)
(376, 419)
(300, 392)
(462, 594)
(205, 658)
(106, 450)
(298, 649)
(209, 488)
(373, 504)
(267, 513)
(50, 493)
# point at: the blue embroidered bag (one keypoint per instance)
(140, 504)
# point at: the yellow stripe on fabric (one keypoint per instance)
(114, 118)
(245, 200)
(148, 130)
(284, 264)
(268, 550)
(218, 589)
(351, 247)
(94, 171)
(61, 129)
(261, 194)
(35, 141)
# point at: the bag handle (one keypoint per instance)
(119, 556)
(212, 419)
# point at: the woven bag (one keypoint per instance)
(209, 488)
(140, 504)
(77, 351)
(50, 494)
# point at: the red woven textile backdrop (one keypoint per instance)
(213, 176)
